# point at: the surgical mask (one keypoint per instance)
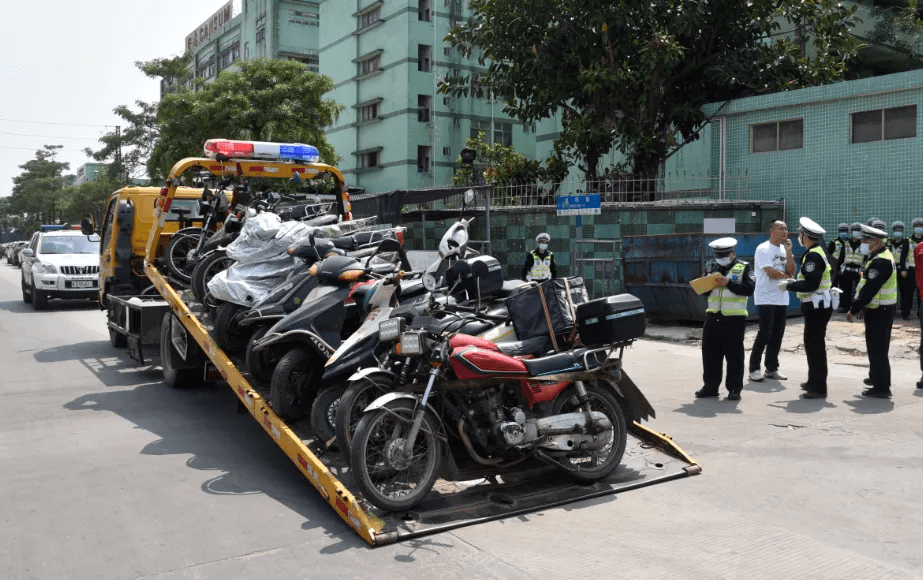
(843, 235)
(855, 235)
(543, 247)
(801, 241)
(864, 248)
(918, 231)
(723, 261)
(898, 234)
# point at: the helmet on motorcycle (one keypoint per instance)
(542, 238)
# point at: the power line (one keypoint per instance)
(37, 148)
(51, 136)
(47, 123)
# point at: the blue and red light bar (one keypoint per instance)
(262, 150)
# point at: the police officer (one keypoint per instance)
(852, 265)
(903, 254)
(915, 239)
(875, 300)
(813, 287)
(725, 319)
(837, 252)
(540, 261)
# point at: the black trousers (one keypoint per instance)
(877, 341)
(908, 290)
(769, 337)
(848, 281)
(815, 346)
(723, 338)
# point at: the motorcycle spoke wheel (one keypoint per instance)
(386, 477)
(594, 464)
(178, 254)
(354, 401)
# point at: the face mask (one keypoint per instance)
(918, 231)
(864, 248)
(855, 235)
(543, 247)
(898, 235)
(801, 241)
(843, 235)
(723, 261)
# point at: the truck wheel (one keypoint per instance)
(324, 413)
(294, 383)
(174, 377)
(39, 300)
(26, 295)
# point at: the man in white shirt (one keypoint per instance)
(772, 263)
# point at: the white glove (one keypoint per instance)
(783, 285)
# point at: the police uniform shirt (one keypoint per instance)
(876, 275)
(837, 250)
(812, 268)
(744, 286)
(904, 249)
(530, 261)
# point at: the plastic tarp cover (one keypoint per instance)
(527, 312)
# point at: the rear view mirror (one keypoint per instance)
(469, 196)
(86, 228)
(27, 253)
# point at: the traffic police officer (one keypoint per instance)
(875, 300)
(540, 261)
(837, 252)
(903, 254)
(813, 287)
(915, 239)
(852, 265)
(725, 319)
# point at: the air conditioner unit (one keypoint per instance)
(446, 150)
(456, 122)
(446, 101)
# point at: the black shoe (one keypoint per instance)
(905, 316)
(813, 395)
(705, 392)
(876, 394)
(920, 383)
(806, 386)
(867, 381)
(734, 396)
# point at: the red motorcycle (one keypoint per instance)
(466, 399)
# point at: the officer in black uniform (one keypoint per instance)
(725, 321)
(875, 301)
(836, 249)
(849, 273)
(903, 252)
(813, 288)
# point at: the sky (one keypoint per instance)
(66, 64)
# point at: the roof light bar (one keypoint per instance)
(262, 150)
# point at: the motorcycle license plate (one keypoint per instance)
(82, 284)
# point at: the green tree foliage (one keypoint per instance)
(898, 24)
(267, 100)
(88, 200)
(38, 191)
(634, 74)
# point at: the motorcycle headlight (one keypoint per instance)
(389, 330)
(412, 343)
(49, 269)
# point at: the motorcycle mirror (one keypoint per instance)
(469, 196)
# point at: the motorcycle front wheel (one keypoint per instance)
(385, 476)
(594, 464)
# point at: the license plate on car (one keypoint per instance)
(83, 284)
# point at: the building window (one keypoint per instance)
(503, 134)
(370, 112)
(884, 124)
(447, 50)
(226, 59)
(478, 127)
(370, 65)
(304, 18)
(424, 13)
(777, 136)
(312, 61)
(261, 34)
(424, 56)
(424, 104)
(235, 52)
(423, 155)
(478, 89)
(369, 18)
(370, 159)
(246, 50)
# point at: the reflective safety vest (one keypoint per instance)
(854, 257)
(541, 269)
(900, 256)
(726, 302)
(824, 281)
(839, 250)
(887, 294)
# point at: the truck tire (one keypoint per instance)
(39, 299)
(174, 375)
(26, 293)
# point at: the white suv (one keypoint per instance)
(60, 264)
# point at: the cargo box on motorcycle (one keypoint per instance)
(611, 319)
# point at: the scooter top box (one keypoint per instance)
(611, 319)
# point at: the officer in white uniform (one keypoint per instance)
(540, 261)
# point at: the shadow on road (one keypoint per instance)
(706, 408)
(20, 307)
(803, 405)
(767, 386)
(112, 366)
(870, 406)
(203, 424)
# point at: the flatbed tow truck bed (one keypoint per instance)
(650, 457)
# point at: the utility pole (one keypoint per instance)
(118, 152)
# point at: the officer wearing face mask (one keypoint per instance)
(915, 240)
(540, 262)
(852, 265)
(903, 253)
(725, 320)
(813, 287)
(875, 301)
(837, 252)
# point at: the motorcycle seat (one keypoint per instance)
(561, 362)
(381, 268)
(534, 346)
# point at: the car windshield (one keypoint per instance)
(70, 245)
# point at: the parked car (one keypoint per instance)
(12, 252)
(60, 264)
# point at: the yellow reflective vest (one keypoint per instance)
(825, 283)
(726, 302)
(887, 294)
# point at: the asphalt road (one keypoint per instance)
(106, 473)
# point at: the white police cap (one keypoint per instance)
(873, 233)
(723, 244)
(810, 228)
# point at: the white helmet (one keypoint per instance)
(542, 237)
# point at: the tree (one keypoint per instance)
(88, 199)
(898, 24)
(267, 100)
(635, 74)
(37, 191)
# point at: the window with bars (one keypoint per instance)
(777, 136)
(370, 159)
(424, 12)
(369, 112)
(424, 57)
(423, 157)
(478, 127)
(424, 104)
(370, 65)
(884, 124)
(503, 134)
(369, 18)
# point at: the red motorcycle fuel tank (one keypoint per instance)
(463, 340)
(470, 362)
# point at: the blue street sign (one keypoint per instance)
(579, 204)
